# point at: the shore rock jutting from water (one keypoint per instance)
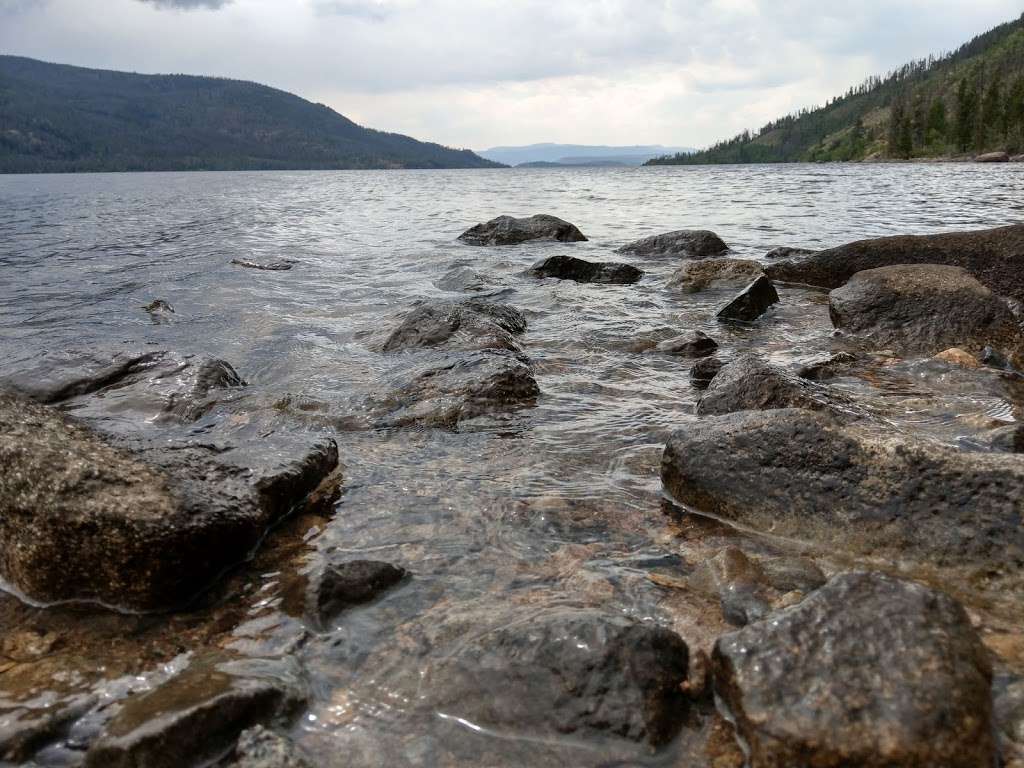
(748, 383)
(683, 243)
(143, 523)
(508, 230)
(800, 473)
(696, 276)
(565, 267)
(703, 372)
(925, 309)
(867, 672)
(569, 671)
(195, 717)
(467, 325)
(752, 302)
(789, 252)
(690, 345)
(992, 256)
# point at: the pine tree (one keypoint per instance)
(936, 129)
(966, 115)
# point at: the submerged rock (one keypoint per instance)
(25, 729)
(752, 302)
(686, 243)
(868, 672)
(142, 524)
(159, 311)
(924, 309)
(465, 325)
(739, 583)
(1008, 439)
(695, 276)
(567, 671)
(704, 371)
(828, 367)
(269, 266)
(788, 252)
(993, 256)
(750, 384)
(582, 271)
(327, 589)
(799, 473)
(464, 280)
(692, 345)
(259, 747)
(507, 230)
(195, 717)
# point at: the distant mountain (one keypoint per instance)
(967, 102)
(55, 117)
(584, 164)
(577, 154)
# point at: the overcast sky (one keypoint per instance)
(477, 73)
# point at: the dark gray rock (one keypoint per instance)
(565, 267)
(696, 276)
(25, 729)
(924, 309)
(159, 311)
(855, 486)
(788, 252)
(57, 376)
(259, 747)
(567, 671)
(752, 302)
(327, 589)
(459, 326)
(142, 523)
(691, 345)
(464, 280)
(993, 256)
(827, 368)
(868, 672)
(195, 717)
(750, 384)
(268, 266)
(704, 371)
(685, 243)
(506, 230)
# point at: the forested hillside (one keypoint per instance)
(61, 118)
(967, 102)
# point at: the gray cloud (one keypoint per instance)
(188, 5)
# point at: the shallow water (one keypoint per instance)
(559, 504)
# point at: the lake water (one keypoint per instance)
(559, 504)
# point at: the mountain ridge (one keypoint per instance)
(576, 154)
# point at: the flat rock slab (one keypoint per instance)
(748, 383)
(993, 256)
(696, 276)
(925, 309)
(583, 271)
(507, 230)
(802, 474)
(683, 243)
(867, 672)
(140, 523)
(752, 302)
(569, 671)
(459, 326)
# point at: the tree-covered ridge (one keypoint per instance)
(60, 118)
(969, 101)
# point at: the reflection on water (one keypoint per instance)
(559, 505)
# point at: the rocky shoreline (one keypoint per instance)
(143, 489)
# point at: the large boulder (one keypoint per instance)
(463, 325)
(924, 309)
(802, 474)
(752, 302)
(581, 271)
(142, 523)
(568, 671)
(684, 243)
(507, 230)
(993, 256)
(695, 276)
(867, 672)
(748, 383)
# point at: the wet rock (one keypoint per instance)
(57, 376)
(1008, 708)
(827, 368)
(788, 252)
(159, 311)
(704, 371)
(259, 747)
(25, 730)
(567, 671)
(269, 266)
(868, 672)
(506, 230)
(752, 302)
(138, 523)
(993, 157)
(992, 256)
(327, 589)
(792, 574)
(455, 388)
(691, 345)
(867, 490)
(465, 325)
(991, 358)
(750, 384)
(959, 357)
(695, 276)
(739, 583)
(1017, 158)
(1008, 439)
(581, 271)
(924, 309)
(464, 280)
(685, 243)
(196, 716)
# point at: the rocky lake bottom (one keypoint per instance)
(311, 469)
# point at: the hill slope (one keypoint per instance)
(969, 101)
(55, 117)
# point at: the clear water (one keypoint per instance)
(554, 505)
